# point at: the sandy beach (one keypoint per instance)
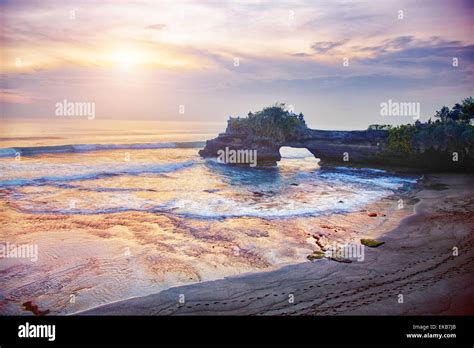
(416, 271)
(107, 230)
(241, 166)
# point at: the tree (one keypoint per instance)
(467, 109)
(456, 111)
(461, 112)
(274, 121)
(442, 114)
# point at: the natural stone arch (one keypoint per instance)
(342, 147)
(329, 146)
(299, 158)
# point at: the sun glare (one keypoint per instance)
(125, 59)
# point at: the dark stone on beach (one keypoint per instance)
(340, 202)
(293, 184)
(258, 194)
(339, 259)
(372, 214)
(371, 243)
(437, 187)
(29, 306)
(316, 255)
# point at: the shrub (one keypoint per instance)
(399, 138)
(441, 137)
(274, 121)
(451, 132)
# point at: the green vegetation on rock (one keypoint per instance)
(452, 131)
(316, 255)
(399, 138)
(371, 243)
(274, 122)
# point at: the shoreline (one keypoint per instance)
(119, 256)
(417, 254)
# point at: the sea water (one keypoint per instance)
(129, 211)
(172, 178)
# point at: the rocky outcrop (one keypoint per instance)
(346, 147)
(329, 146)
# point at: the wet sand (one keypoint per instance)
(89, 260)
(416, 262)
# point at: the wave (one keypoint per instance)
(361, 169)
(39, 150)
(218, 208)
(203, 215)
(135, 170)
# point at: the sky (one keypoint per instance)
(203, 61)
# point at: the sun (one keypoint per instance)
(125, 59)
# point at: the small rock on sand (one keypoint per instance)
(372, 243)
(29, 306)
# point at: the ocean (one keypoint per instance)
(127, 214)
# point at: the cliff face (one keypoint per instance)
(346, 147)
(329, 146)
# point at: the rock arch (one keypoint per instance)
(329, 146)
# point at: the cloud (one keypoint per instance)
(156, 26)
(13, 97)
(301, 54)
(432, 53)
(326, 46)
(278, 57)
